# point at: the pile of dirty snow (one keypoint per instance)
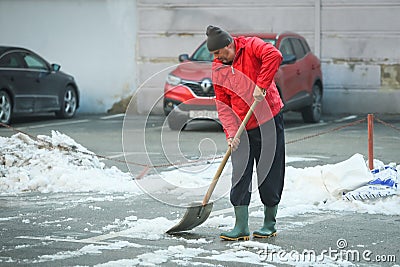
(56, 163)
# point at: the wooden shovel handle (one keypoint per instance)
(228, 154)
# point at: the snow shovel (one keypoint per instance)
(198, 212)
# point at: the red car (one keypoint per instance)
(189, 93)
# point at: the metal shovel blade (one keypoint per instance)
(195, 215)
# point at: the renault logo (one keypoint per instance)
(206, 85)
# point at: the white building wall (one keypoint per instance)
(357, 42)
(92, 40)
(361, 55)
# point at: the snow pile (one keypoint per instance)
(56, 164)
(321, 188)
(320, 183)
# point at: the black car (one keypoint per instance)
(29, 84)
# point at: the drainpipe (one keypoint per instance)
(317, 28)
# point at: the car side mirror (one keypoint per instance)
(288, 59)
(55, 67)
(183, 57)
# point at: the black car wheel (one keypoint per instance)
(68, 103)
(5, 107)
(313, 112)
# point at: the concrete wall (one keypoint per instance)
(359, 41)
(117, 47)
(356, 40)
(92, 40)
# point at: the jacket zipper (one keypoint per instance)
(233, 61)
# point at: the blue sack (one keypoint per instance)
(386, 176)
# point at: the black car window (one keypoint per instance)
(298, 48)
(10, 61)
(272, 41)
(286, 47)
(34, 62)
(305, 45)
(202, 54)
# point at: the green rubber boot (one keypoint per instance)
(268, 229)
(241, 229)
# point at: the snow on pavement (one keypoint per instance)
(28, 165)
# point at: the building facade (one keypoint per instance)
(357, 42)
(119, 48)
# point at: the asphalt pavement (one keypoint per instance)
(35, 225)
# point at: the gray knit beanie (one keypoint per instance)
(217, 38)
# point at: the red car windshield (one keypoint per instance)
(202, 53)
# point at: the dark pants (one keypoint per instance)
(266, 146)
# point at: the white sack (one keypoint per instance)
(346, 175)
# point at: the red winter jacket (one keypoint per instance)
(255, 63)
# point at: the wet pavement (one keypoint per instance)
(87, 229)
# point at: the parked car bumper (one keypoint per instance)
(181, 113)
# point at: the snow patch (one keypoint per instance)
(56, 164)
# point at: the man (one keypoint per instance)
(243, 72)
